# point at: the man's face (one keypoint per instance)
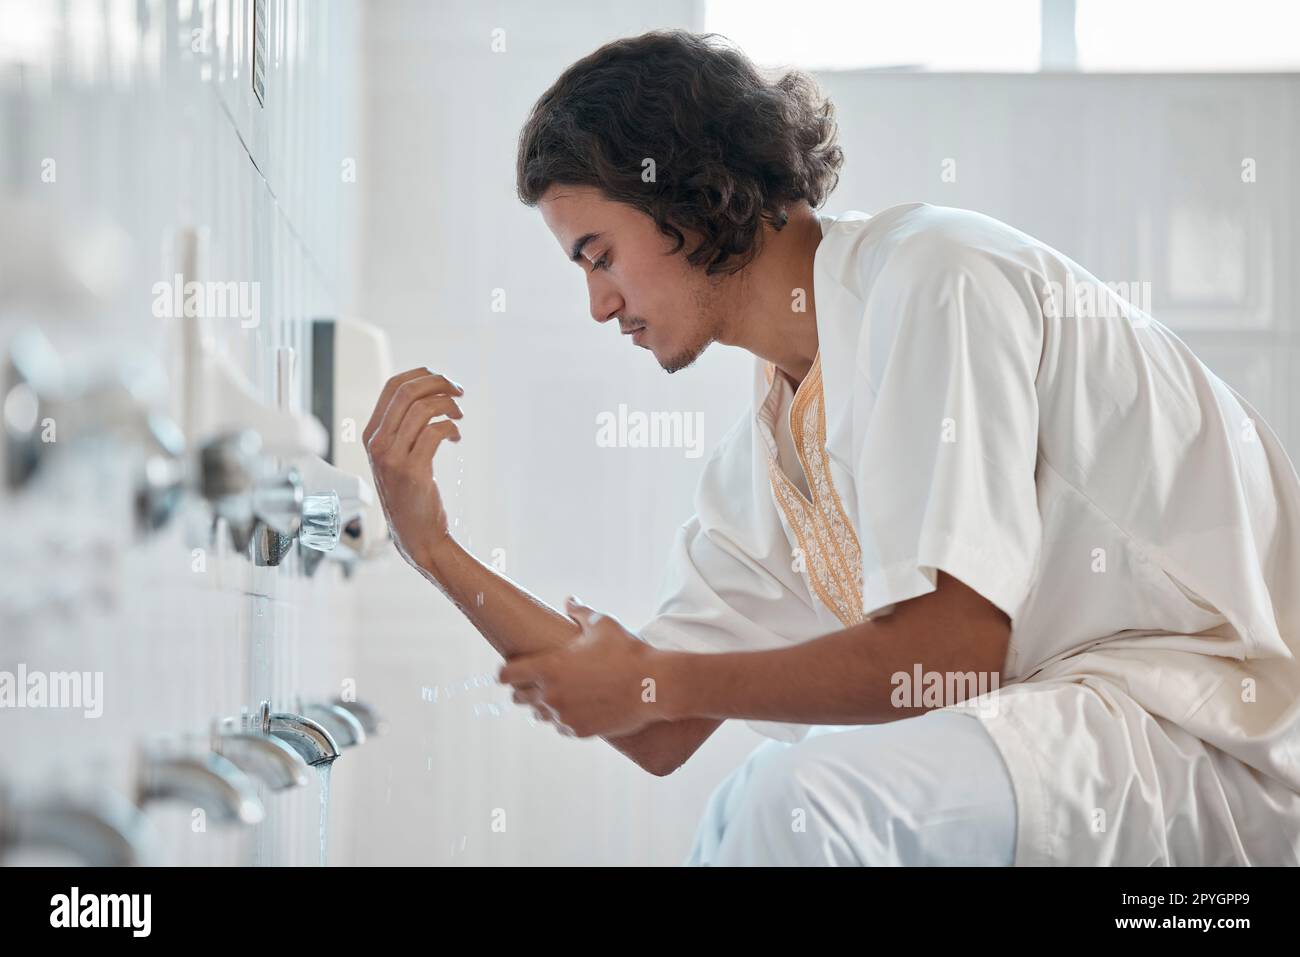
(660, 300)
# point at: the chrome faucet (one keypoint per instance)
(107, 832)
(269, 759)
(334, 515)
(36, 386)
(208, 781)
(369, 718)
(258, 507)
(312, 741)
(341, 723)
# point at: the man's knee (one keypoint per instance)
(929, 793)
(794, 812)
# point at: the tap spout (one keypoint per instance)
(108, 832)
(266, 758)
(342, 725)
(208, 781)
(369, 718)
(309, 738)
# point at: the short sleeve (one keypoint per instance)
(730, 583)
(717, 598)
(946, 427)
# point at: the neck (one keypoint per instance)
(775, 316)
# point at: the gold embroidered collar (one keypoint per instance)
(827, 540)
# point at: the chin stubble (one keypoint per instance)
(705, 308)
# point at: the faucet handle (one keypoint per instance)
(259, 721)
(321, 522)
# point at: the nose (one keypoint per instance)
(606, 303)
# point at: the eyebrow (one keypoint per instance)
(580, 244)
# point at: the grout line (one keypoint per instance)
(326, 283)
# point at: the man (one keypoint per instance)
(1008, 574)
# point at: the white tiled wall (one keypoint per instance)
(144, 109)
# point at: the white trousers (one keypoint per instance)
(925, 791)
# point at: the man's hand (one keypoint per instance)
(601, 683)
(401, 438)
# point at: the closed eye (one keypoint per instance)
(601, 263)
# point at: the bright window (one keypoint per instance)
(948, 35)
(1189, 36)
(1140, 36)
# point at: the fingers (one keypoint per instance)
(541, 710)
(418, 415)
(529, 695)
(523, 670)
(396, 398)
(528, 675)
(386, 396)
(433, 435)
(585, 616)
(547, 716)
(384, 437)
(532, 696)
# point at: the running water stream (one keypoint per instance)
(323, 776)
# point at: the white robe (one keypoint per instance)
(982, 405)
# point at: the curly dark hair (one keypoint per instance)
(731, 149)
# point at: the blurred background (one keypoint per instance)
(224, 222)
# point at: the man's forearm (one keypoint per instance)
(836, 679)
(846, 677)
(516, 622)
